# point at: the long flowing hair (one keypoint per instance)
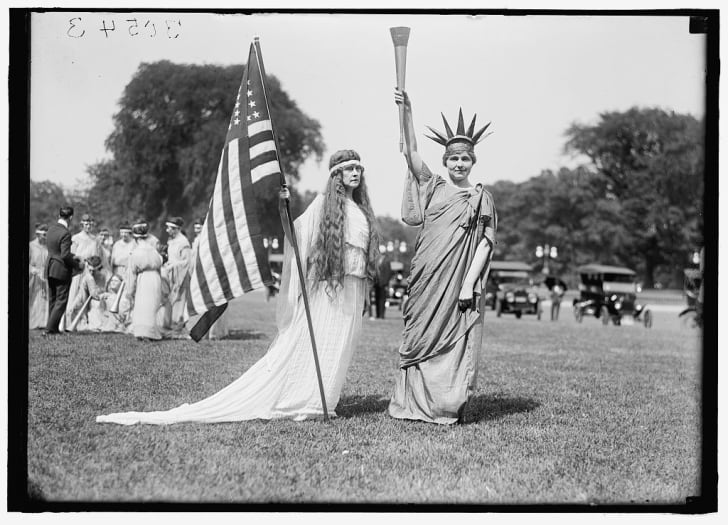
(327, 257)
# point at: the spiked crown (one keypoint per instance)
(461, 134)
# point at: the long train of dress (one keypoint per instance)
(283, 383)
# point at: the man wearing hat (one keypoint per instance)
(175, 270)
(84, 244)
(121, 250)
(37, 283)
(59, 269)
(92, 284)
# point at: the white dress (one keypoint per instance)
(173, 315)
(83, 246)
(145, 286)
(283, 383)
(37, 285)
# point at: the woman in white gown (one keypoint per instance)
(338, 245)
(37, 281)
(145, 284)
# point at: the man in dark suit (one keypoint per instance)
(59, 268)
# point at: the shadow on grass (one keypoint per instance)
(353, 406)
(480, 408)
(243, 335)
(489, 407)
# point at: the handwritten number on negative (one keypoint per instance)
(153, 27)
(134, 26)
(73, 29)
(107, 29)
(171, 30)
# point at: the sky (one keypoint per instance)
(531, 76)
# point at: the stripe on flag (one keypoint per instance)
(230, 259)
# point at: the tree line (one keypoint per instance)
(636, 201)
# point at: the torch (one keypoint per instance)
(400, 36)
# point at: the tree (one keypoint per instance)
(565, 209)
(652, 161)
(168, 136)
(46, 198)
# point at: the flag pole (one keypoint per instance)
(290, 231)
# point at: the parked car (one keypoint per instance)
(397, 289)
(609, 293)
(510, 289)
(693, 314)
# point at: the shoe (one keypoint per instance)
(48, 333)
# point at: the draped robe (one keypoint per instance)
(440, 344)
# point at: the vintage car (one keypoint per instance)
(609, 293)
(397, 286)
(510, 289)
(693, 314)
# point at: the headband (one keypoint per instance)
(41, 231)
(122, 230)
(344, 164)
(173, 225)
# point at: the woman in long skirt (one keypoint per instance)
(442, 317)
(338, 247)
(145, 284)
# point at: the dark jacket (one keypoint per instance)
(61, 262)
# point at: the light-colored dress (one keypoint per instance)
(145, 286)
(283, 383)
(440, 344)
(37, 285)
(83, 246)
(120, 256)
(93, 317)
(173, 315)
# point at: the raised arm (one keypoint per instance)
(414, 161)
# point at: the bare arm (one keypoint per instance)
(482, 252)
(414, 161)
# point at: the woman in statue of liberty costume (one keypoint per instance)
(443, 318)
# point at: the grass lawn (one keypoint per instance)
(564, 413)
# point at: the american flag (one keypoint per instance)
(231, 259)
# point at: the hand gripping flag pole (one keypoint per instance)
(290, 232)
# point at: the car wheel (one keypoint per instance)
(648, 319)
(498, 307)
(604, 315)
(519, 314)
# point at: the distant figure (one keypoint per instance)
(93, 284)
(84, 244)
(175, 271)
(144, 285)
(197, 228)
(120, 320)
(37, 282)
(121, 250)
(59, 270)
(381, 286)
(557, 292)
(106, 243)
